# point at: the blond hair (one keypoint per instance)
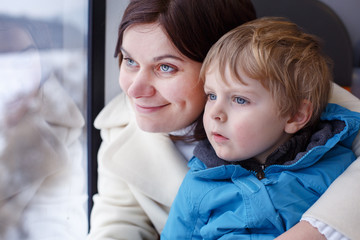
(287, 61)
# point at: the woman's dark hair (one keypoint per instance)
(192, 25)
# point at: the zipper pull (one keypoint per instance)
(261, 174)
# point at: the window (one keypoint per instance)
(43, 110)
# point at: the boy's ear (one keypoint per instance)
(301, 118)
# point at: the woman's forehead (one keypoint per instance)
(145, 32)
(142, 39)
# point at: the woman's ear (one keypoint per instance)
(301, 118)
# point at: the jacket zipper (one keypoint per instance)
(261, 174)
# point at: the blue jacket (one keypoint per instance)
(230, 202)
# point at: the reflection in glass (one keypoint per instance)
(42, 138)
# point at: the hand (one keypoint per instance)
(302, 231)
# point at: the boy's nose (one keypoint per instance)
(218, 114)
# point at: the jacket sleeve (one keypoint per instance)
(183, 215)
(116, 214)
(338, 207)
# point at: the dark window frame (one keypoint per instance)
(95, 89)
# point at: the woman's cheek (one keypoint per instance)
(123, 82)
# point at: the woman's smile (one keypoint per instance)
(144, 109)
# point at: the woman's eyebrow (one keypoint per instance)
(124, 51)
(159, 58)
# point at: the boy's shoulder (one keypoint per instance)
(350, 118)
(335, 111)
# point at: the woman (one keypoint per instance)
(143, 156)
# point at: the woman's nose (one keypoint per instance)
(141, 86)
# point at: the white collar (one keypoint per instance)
(185, 148)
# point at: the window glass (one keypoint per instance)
(43, 72)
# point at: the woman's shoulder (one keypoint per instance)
(344, 98)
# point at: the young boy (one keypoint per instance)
(271, 154)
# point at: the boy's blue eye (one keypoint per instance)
(212, 97)
(240, 100)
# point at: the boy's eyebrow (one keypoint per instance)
(159, 58)
(206, 87)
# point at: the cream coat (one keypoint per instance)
(140, 173)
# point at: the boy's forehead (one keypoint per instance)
(225, 73)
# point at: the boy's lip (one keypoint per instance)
(219, 138)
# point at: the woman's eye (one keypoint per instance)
(166, 68)
(211, 97)
(240, 100)
(130, 62)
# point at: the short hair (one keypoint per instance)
(193, 26)
(287, 61)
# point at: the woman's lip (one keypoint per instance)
(148, 109)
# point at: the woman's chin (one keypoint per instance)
(158, 124)
(150, 126)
